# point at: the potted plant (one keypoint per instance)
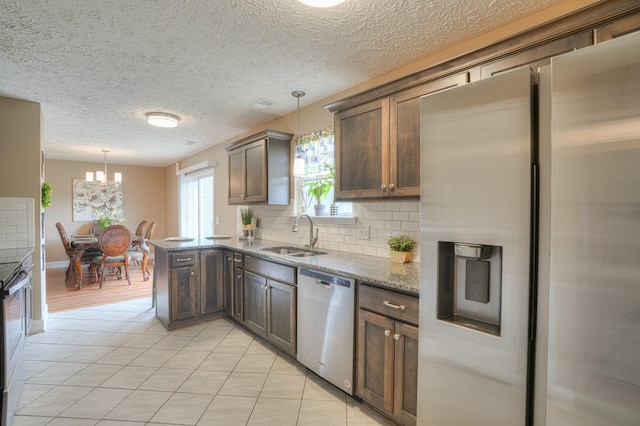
(46, 195)
(246, 216)
(400, 248)
(318, 190)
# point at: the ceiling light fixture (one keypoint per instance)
(101, 176)
(321, 3)
(162, 119)
(298, 163)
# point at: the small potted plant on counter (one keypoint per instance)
(248, 225)
(400, 248)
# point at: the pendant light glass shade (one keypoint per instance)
(298, 163)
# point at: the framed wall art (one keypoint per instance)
(91, 199)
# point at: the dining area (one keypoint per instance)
(106, 252)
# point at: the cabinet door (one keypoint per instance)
(236, 176)
(183, 292)
(227, 280)
(405, 386)
(404, 136)
(255, 303)
(238, 292)
(281, 315)
(362, 150)
(375, 359)
(256, 172)
(211, 280)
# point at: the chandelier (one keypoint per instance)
(101, 176)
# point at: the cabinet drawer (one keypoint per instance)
(183, 258)
(389, 303)
(284, 273)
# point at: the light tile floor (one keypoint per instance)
(117, 365)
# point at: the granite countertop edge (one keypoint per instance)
(374, 270)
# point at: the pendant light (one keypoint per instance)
(298, 163)
(101, 176)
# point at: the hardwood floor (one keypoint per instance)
(60, 298)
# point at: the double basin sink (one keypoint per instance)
(293, 251)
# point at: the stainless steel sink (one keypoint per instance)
(293, 251)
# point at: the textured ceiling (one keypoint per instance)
(98, 66)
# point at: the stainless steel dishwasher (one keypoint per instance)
(326, 306)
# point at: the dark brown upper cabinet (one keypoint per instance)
(377, 144)
(259, 168)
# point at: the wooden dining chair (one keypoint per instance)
(86, 259)
(141, 228)
(114, 241)
(94, 228)
(139, 255)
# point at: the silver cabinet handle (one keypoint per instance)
(192, 273)
(237, 260)
(387, 333)
(184, 259)
(391, 305)
(383, 187)
(396, 336)
(392, 187)
(265, 286)
(239, 276)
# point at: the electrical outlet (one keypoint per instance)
(363, 232)
(217, 220)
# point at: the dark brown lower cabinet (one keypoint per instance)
(387, 356)
(270, 306)
(183, 292)
(211, 280)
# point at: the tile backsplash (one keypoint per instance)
(16, 222)
(384, 218)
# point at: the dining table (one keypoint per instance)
(81, 243)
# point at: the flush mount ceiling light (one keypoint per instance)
(162, 119)
(298, 163)
(321, 3)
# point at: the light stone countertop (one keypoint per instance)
(370, 269)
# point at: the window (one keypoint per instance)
(196, 216)
(317, 149)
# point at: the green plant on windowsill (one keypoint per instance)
(318, 189)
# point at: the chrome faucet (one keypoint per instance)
(312, 239)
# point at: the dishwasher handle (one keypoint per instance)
(324, 284)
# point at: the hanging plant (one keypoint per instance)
(46, 194)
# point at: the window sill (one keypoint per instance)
(332, 220)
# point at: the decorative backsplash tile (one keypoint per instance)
(16, 222)
(384, 219)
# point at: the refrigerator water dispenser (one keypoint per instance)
(469, 285)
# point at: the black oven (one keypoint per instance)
(15, 288)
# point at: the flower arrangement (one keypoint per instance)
(106, 217)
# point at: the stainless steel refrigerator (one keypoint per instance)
(530, 245)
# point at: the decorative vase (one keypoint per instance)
(308, 210)
(321, 210)
(400, 256)
(248, 233)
